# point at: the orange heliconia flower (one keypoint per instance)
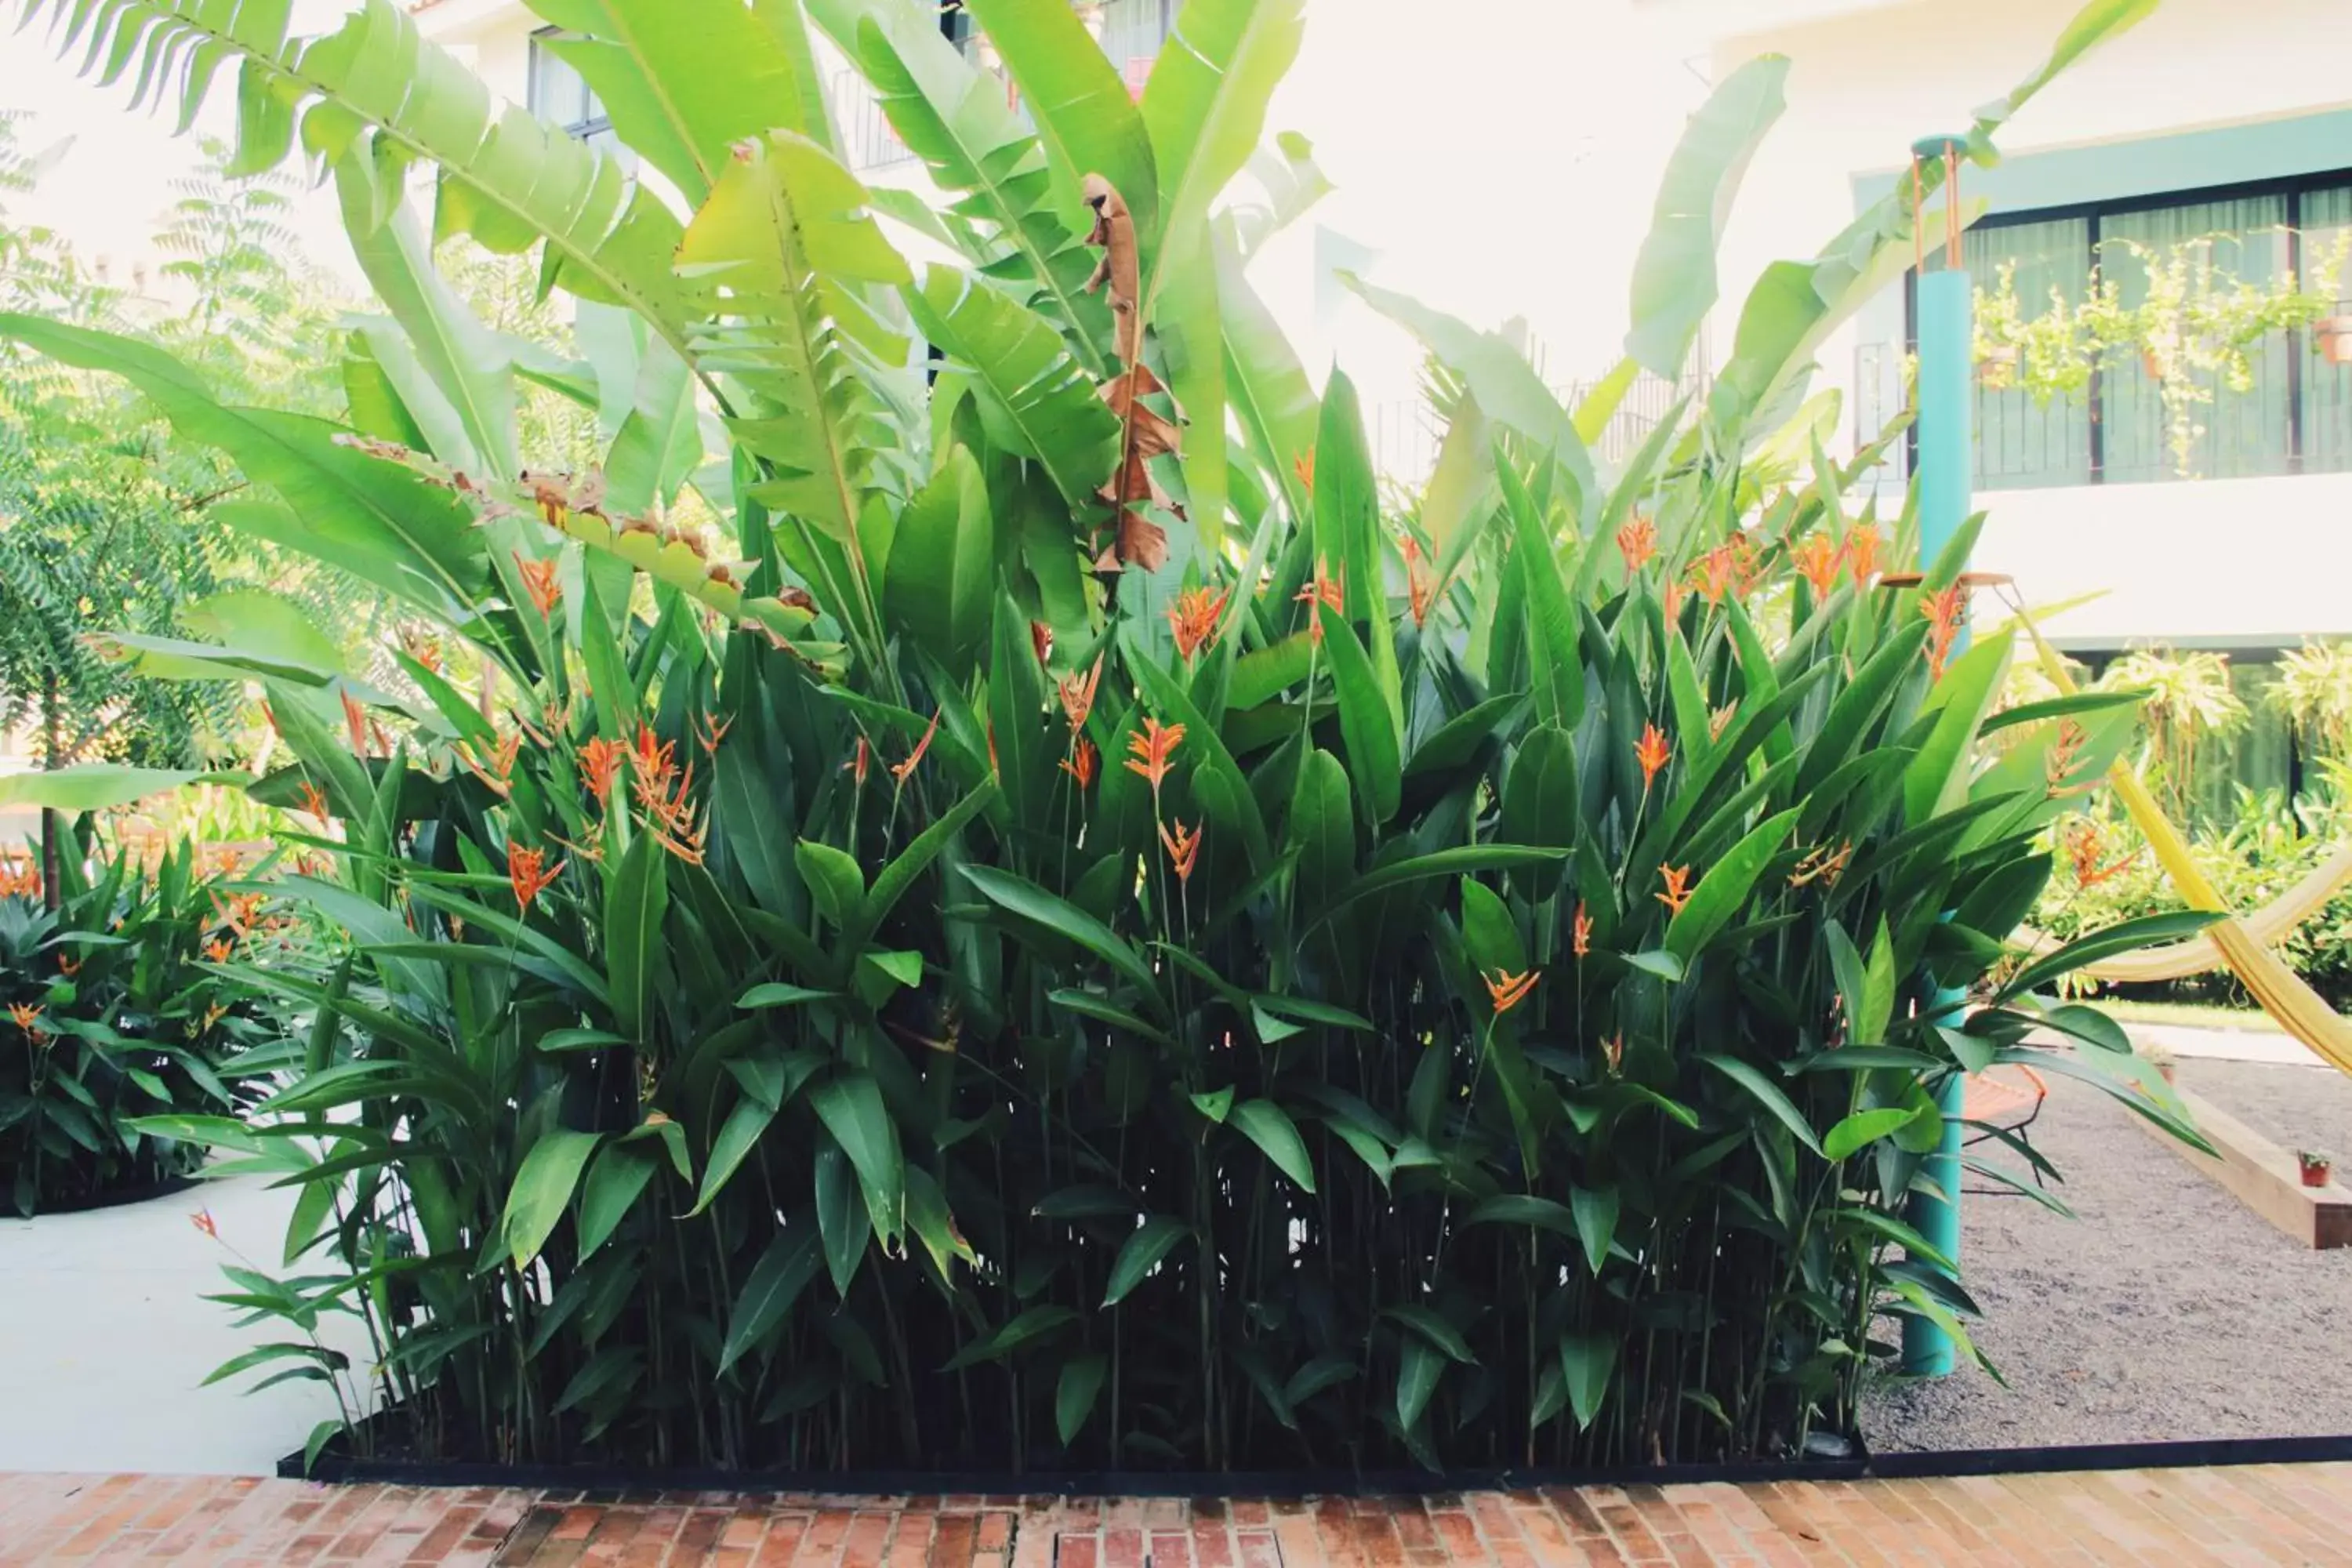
(1673, 600)
(1194, 619)
(240, 911)
(1304, 468)
(1183, 848)
(1083, 762)
(69, 965)
(213, 1015)
(1613, 1050)
(1637, 541)
(1652, 751)
(27, 1019)
(1508, 990)
(1945, 611)
(858, 760)
(1747, 567)
(599, 764)
(1077, 693)
(709, 732)
(539, 582)
(901, 771)
(1041, 637)
(1152, 748)
(314, 801)
(355, 720)
(1580, 938)
(2084, 846)
(529, 874)
(220, 948)
(1822, 864)
(1819, 563)
(1419, 593)
(2064, 753)
(1323, 589)
(1720, 720)
(1677, 893)
(1713, 573)
(21, 882)
(1862, 552)
(203, 1220)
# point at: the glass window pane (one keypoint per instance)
(1131, 33)
(2020, 441)
(2211, 429)
(556, 91)
(2326, 388)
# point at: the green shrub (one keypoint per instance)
(997, 964)
(112, 1008)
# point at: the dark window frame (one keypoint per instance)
(2292, 187)
(578, 130)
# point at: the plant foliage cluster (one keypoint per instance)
(1053, 932)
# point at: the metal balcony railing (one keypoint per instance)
(2289, 413)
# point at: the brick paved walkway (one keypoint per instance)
(2294, 1514)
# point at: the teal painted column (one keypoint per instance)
(1945, 460)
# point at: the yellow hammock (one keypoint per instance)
(2277, 989)
(2177, 961)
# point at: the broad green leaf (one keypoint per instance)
(1724, 890)
(850, 1105)
(1025, 1329)
(1366, 725)
(618, 1176)
(1141, 1253)
(1442, 1335)
(1862, 1128)
(1674, 278)
(737, 1136)
(1036, 400)
(633, 908)
(542, 1191)
(833, 880)
(91, 786)
(1032, 902)
(1586, 1361)
(943, 563)
(1074, 1393)
(783, 1271)
(1767, 1094)
(1596, 1222)
(1269, 1127)
(1084, 114)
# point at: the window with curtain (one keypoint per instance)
(554, 92)
(2022, 443)
(2326, 388)
(2240, 432)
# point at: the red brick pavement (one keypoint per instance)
(2292, 1514)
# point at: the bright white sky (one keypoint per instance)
(1497, 156)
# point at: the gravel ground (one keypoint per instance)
(2295, 1107)
(2167, 1310)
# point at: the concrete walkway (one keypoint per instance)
(2288, 1514)
(105, 1340)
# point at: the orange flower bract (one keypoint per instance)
(1581, 934)
(902, 771)
(1677, 893)
(1652, 751)
(539, 582)
(1152, 748)
(1637, 541)
(1183, 847)
(529, 874)
(1508, 990)
(1862, 552)
(1819, 562)
(1077, 692)
(1194, 619)
(1083, 762)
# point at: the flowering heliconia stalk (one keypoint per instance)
(1862, 552)
(1194, 619)
(1581, 940)
(1653, 753)
(1819, 562)
(1945, 610)
(1637, 541)
(539, 580)
(901, 772)
(1321, 589)
(1152, 746)
(1677, 888)
(1082, 761)
(1506, 991)
(1713, 573)
(1183, 846)
(529, 875)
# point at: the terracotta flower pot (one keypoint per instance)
(2334, 335)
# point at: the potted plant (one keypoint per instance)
(2315, 1166)
(2335, 337)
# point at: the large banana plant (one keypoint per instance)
(1013, 915)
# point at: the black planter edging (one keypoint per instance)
(341, 1468)
(120, 1197)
